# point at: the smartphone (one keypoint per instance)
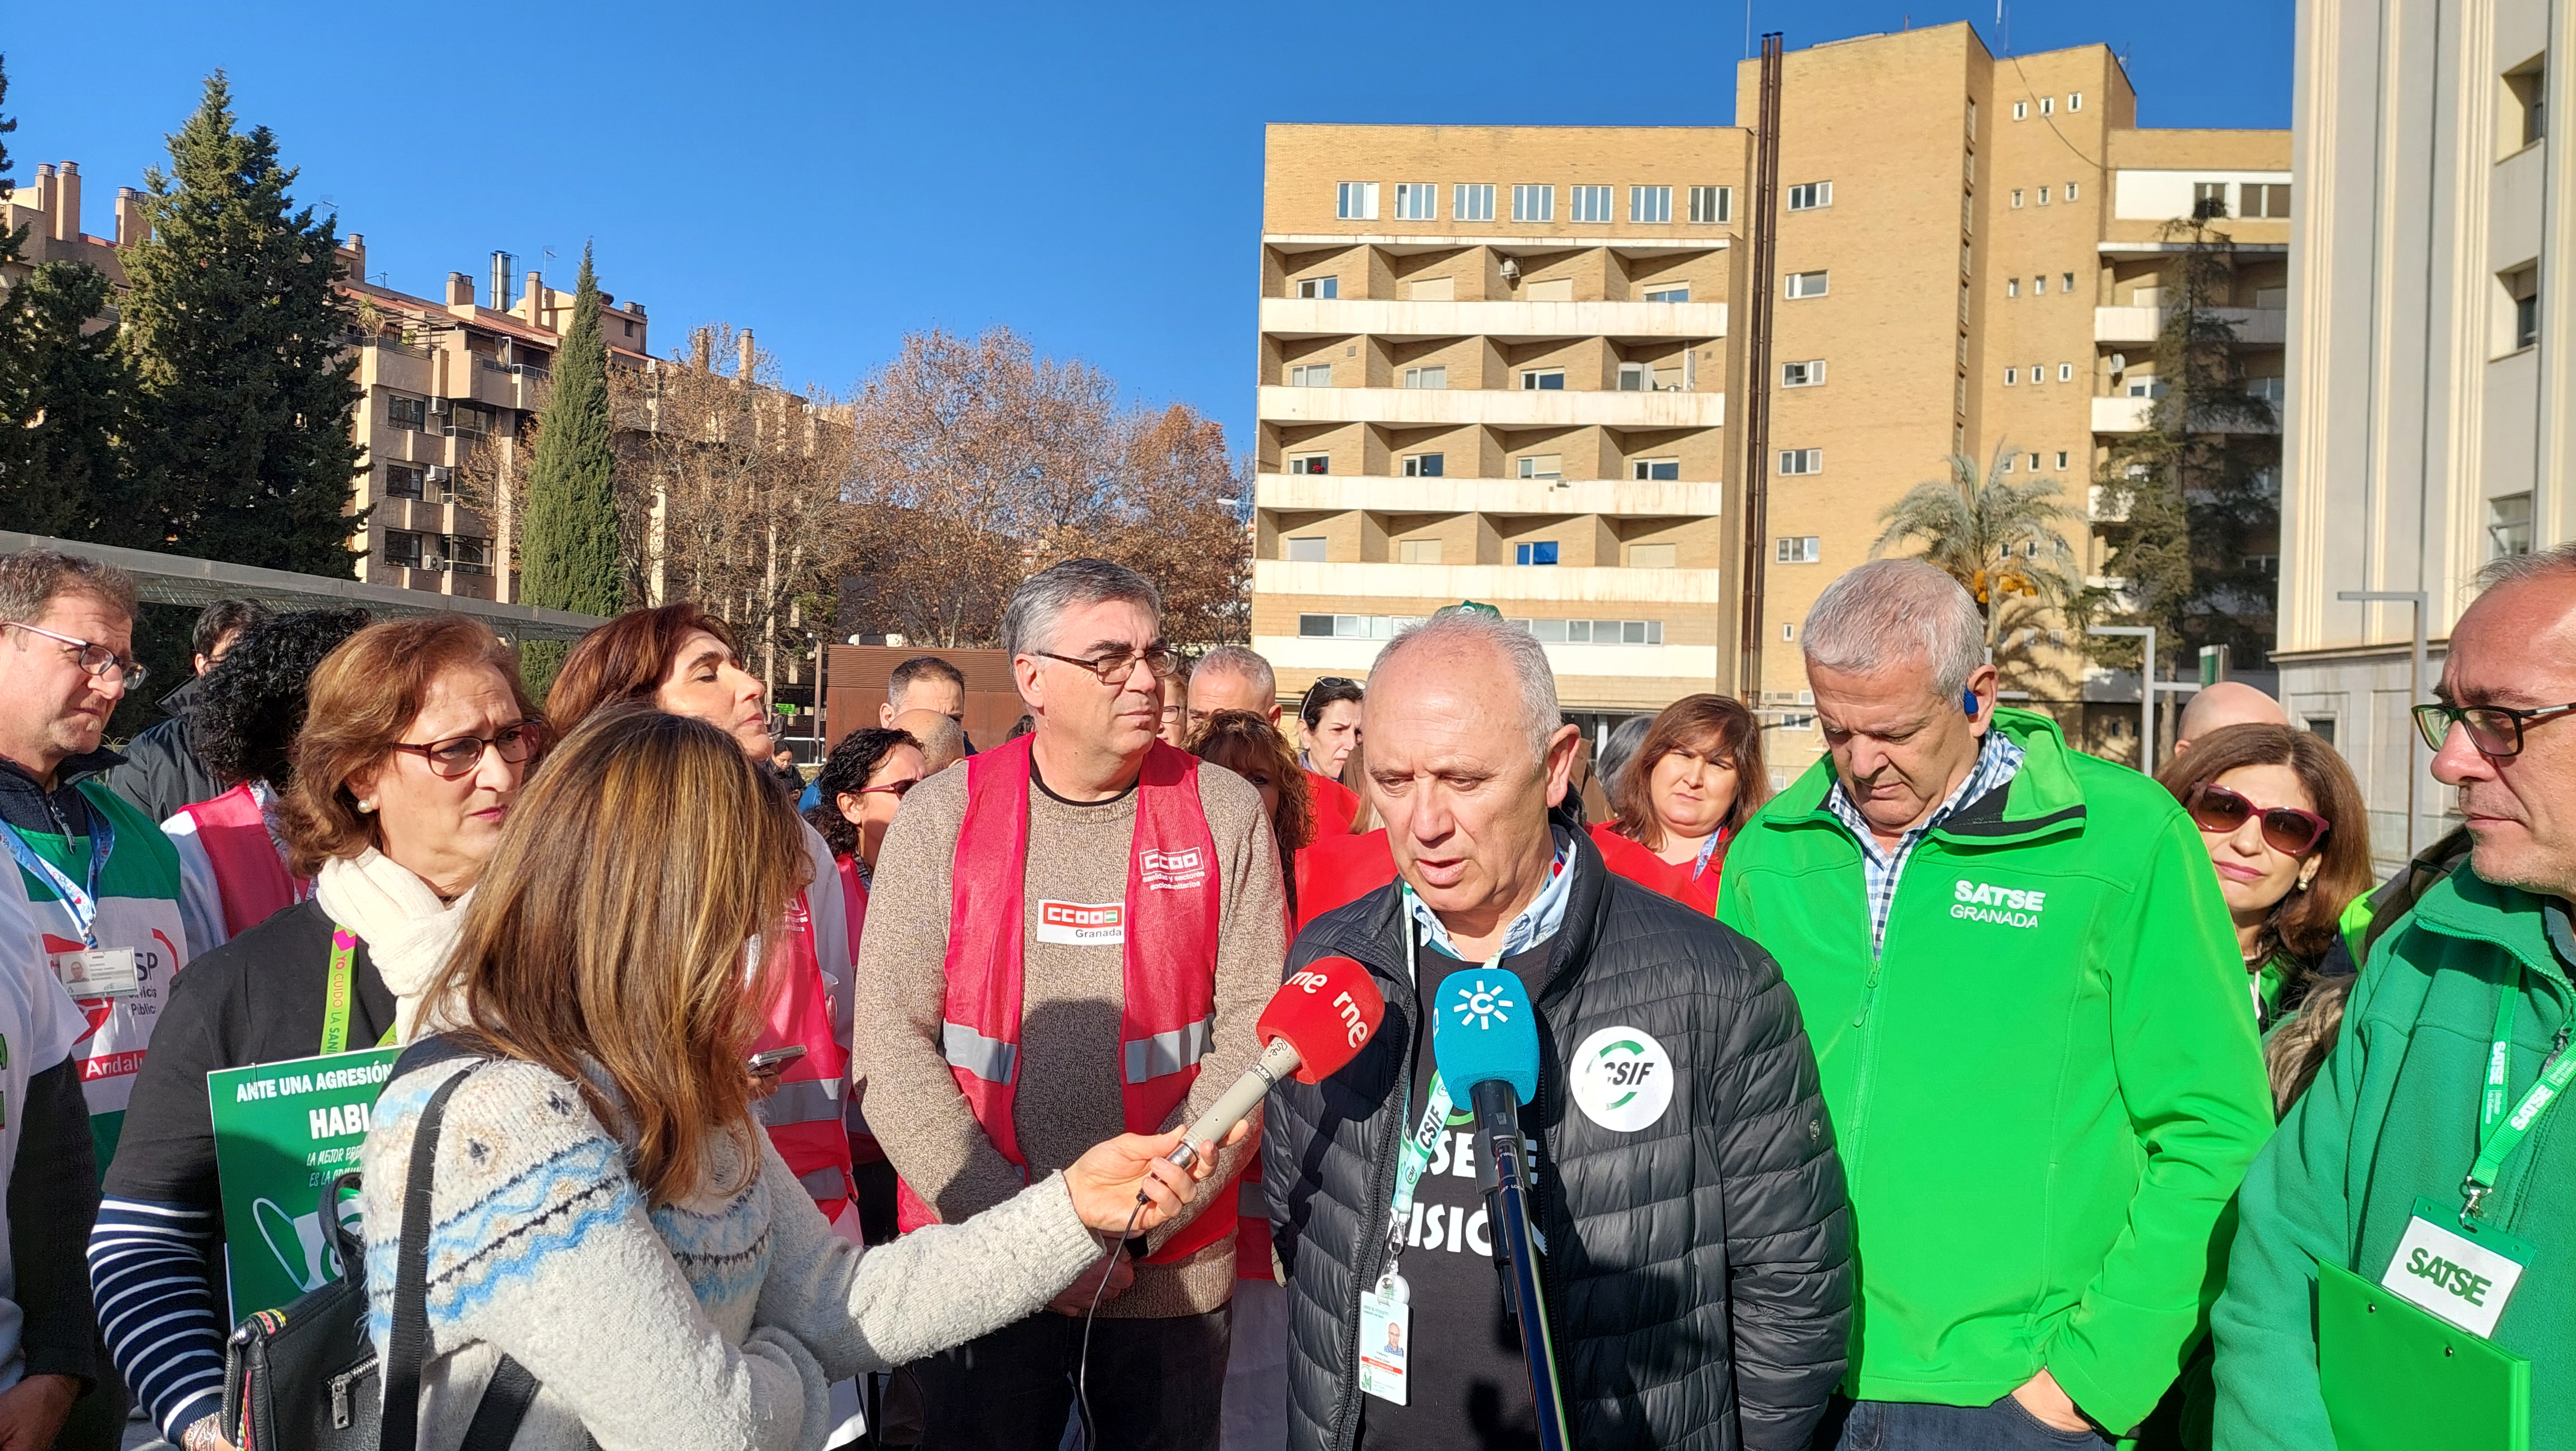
(770, 1062)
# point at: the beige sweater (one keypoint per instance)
(1068, 1093)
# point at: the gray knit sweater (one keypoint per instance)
(716, 1323)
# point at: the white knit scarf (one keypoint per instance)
(409, 932)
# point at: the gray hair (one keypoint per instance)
(1893, 611)
(1444, 634)
(33, 578)
(2514, 568)
(1028, 621)
(1238, 661)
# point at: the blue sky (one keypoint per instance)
(833, 176)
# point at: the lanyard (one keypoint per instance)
(1414, 1156)
(2499, 1133)
(340, 991)
(83, 905)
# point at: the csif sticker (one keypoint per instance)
(1622, 1079)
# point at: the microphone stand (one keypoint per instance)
(1505, 1180)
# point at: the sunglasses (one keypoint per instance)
(2286, 829)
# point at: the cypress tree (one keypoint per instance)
(568, 547)
(240, 349)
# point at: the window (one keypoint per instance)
(1669, 292)
(1802, 461)
(1539, 551)
(2070, 191)
(1972, 116)
(1807, 374)
(1650, 204)
(472, 420)
(2034, 468)
(2066, 282)
(1472, 202)
(2508, 525)
(1798, 549)
(1712, 205)
(1353, 627)
(1356, 201)
(1595, 632)
(469, 554)
(1310, 463)
(1589, 203)
(1808, 196)
(2075, 101)
(1432, 377)
(1654, 556)
(2021, 110)
(1655, 468)
(2016, 196)
(2522, 291)
(1806, 284)
(2270, 200)
(1417, 201)
(1534, 380)
(403, 549)
(1321, 287)
(2009, 462)
(1311, 375)
(1306, 550)
(405, 481)
(2011, 376)
(2043, 196)
(2012, 287)
(1542, 466)
(2039, 285)
(2066, 372)
(2270, 390)
(410, 414)
(2047, 104)
(2061, 458)
(1636, 378)
(2038, 374)
(2208, 199)
(1425, 465)
(2525, 94)
(1533, 203)
(1417, 551)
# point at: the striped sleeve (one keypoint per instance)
(156, 1307)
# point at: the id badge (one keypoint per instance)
(2463, 1274)
(1386, 1339)
(99, 972)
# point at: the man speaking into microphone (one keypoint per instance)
(1685, 1203)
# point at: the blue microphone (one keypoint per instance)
(1484, 1037)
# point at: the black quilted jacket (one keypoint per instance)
(1698, 1278)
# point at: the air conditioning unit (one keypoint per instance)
(440, 407)
(440, 473)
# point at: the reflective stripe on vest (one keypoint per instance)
(1166, 1053)
(971, 1052)
(803, 1114)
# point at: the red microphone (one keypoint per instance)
(1318, 1020)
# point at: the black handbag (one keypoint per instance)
(307, 1378)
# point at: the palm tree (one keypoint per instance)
(1998, 538)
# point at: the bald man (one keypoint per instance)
(943, 740)
(2229, 702)
(1231, 677)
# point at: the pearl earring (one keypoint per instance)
(368, 808)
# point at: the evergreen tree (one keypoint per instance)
(240, 348)
(568, 546)
(2200, 485)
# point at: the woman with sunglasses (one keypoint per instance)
(409, 761)
(2290, 838)
(863, 783)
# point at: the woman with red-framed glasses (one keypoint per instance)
(2290, 839)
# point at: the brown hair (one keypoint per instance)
(364, 696)
(2295, 1050)
(1355, 778)
(612, 928)
(2302, 924)
(1716, 726)
(31, 579)
(626, 660)
(1238, 740)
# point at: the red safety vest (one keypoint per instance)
(1330, 805)
(249, 875)
(1167, 1021)
(804, 1116)
(1674, 879)
(854, 910)
(1337, 870)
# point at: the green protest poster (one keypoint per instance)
(282, 1130)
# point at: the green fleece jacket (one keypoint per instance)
(2044, 1091)
(2394, 1114)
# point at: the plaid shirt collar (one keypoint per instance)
(1997, 761)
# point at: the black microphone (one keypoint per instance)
(1484, 1037)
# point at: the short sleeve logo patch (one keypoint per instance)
(1082, 924)
(1623, 1079)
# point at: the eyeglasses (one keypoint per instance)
(2287, 829)
(97, 660)
(459, 755)
(1114, 668)
(2496, 730)
(896, 789)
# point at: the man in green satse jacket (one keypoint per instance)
(2394, 1114)
(2027, 1004)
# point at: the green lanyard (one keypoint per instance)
(2499, 1133)
(341, 989)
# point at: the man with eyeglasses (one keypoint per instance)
(2031, 1020)
(1071, 937)
(2435, 1133)
(93, 906)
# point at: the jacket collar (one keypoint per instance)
(2469, 907)
(1377, 940)
(73, 771)
(2041, 800)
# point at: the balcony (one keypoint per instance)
(2126, 414)
(1695, 664)
(1517, 589)
(1620, 498)
(1297, 317)
(1495, 407)
(2256, 327)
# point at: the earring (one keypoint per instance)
(368, 808)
